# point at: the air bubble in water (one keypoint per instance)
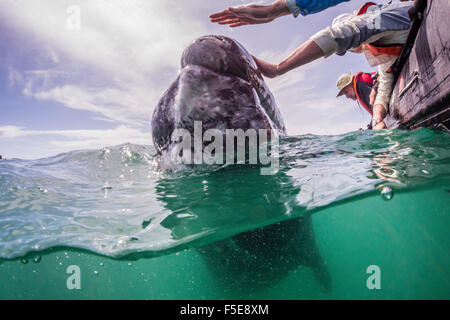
(96, 272)
(24, 261)
(43, 190)
(387, 193)
(37, 259)
(106, 188)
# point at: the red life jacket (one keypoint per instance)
(358, 79)
(392, 50)
(364, 7)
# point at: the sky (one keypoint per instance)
(87, 74)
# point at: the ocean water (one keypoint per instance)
(338, 206)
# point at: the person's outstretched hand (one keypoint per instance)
(241, 16)
(268, 70)
(250, 14)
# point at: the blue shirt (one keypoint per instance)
(306, 7)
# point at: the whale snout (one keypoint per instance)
(222, 55)
(219, 86)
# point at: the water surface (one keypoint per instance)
(309, 231)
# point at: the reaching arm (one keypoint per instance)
(386, 84)
(251, 14)
(307, 52)
(257, 14)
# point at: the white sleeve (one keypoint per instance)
(386, 85)
(325, 40)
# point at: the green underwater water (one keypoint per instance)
(407, 237)
(200, 229)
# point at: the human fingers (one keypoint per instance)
(380, 126)
(221, 18)
(230, 21)
(264, 67)
(220, 14)
(224, 17)
(233, 25)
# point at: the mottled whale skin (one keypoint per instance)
(218, 84)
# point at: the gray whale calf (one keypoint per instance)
(219, 85)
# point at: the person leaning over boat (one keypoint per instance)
(361, 88)
(378, 31)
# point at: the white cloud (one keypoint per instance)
(120, 131)
(14, 77)
(126, 38)
(325, 116)
(130, 106)
(116, 66)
